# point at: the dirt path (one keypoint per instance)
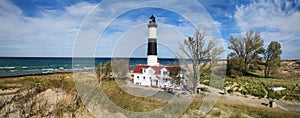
(266, 93)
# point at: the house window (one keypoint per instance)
(144, 77)
(150, 71)
(138, 77)
(165, 73)
(150, 78)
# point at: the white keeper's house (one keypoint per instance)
(153, 74)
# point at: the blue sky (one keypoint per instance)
(50, 27)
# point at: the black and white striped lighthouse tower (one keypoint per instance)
(152, 45)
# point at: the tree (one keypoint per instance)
(104, 71)
(234, 66)
(272, 58)
(199, 52)
(99, 71)
(244, 51)
(120, 68)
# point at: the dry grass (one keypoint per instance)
(240, 110)
(236, 110)
(142, 104)
(51, 81)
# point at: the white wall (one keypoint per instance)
(152, 60)
(147, 75)
(152, 33)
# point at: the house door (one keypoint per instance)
(156, 81)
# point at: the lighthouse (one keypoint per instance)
(152, 45)
(153, 74)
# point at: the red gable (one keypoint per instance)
(138, 69)
(157, 69)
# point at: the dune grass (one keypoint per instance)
(51, 81)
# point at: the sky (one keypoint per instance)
(61, 28)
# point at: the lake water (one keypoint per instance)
(15, 66)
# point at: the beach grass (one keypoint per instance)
(50, 81)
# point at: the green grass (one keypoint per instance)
(130, 102)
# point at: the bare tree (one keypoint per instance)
(199, 50)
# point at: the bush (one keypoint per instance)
(230, 90)
(63, 107)
(216, 113)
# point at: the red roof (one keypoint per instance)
(157, 69)
(139, 69)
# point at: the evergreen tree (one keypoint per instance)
(272, 58)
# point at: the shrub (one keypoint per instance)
(63, 107)
(216, 113)
(230, 90)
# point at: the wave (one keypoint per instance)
(47, 69)
(13, 71)
(7, 67)
(31, 70)
(89, 68)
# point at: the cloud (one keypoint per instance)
(126, 16)
(275, 20)
(50, 34)
(53, 31)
